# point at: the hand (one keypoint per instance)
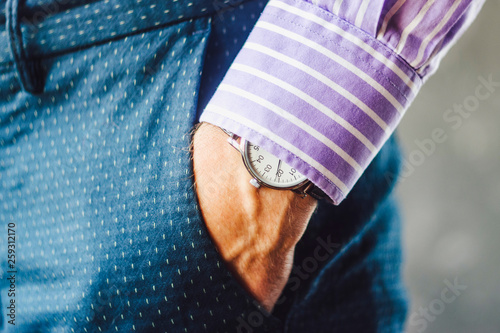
(254, 230)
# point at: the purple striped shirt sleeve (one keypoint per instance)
(323, 85)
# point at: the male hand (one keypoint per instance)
(254, 230)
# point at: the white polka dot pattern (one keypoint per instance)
(97, 176)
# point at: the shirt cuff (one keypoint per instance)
(316, 91)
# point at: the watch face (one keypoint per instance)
(269, 169)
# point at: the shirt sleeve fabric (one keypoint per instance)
(323, 85)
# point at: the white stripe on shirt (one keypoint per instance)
(338, 59)
(322, 78)
(336, 6)
(352, 38)
(296, 121)
(434, 32)
(283, 143)
(413, 24)
(394, 9)
(361, 13)
(308, 99)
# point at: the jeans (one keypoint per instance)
(97, 103)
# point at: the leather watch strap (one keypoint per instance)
(313, 191)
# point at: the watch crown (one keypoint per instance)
(254, 183)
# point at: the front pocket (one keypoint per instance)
(98, 183)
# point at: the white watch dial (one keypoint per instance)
(270, 169)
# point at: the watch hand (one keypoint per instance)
(277, 171)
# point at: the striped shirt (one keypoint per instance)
(323, 84)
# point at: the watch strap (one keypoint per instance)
(314, 191)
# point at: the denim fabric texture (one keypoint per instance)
(96, 174)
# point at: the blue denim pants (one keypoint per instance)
(101, 230)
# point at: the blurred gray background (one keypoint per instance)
(450, 197)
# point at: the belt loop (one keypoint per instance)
(29, 71)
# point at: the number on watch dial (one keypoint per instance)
(271, 169)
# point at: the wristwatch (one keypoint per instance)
(269, 171)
